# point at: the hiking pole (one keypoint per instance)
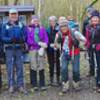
(95, 63)
(86, 56)
(72, 60)
(55, 65)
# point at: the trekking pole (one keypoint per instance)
(88, 58)
(95, 63)
(55, 65)
(72, 58)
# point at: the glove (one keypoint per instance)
(42, 44)
(41, 51)
(52, 45)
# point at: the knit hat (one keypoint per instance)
(63, 23)
(34, 17)
(95, 13)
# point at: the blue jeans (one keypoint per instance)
(76, 68)
(14, 58)
(98, 68)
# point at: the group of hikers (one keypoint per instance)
(60, 41)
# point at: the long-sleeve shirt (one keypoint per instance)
(42, 35)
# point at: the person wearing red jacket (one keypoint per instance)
(69, 52)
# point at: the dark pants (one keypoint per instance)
(91, 62)
(53, 60)
(33, 76)
(98, 68)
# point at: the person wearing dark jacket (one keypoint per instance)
(93, 43)
(52, 53)
(13, 37)
(87, 19)
(90, 52)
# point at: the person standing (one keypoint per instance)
(86, 22)
(37, 41)
(93, 42)
(69, 39)
(53, 53)
(13, 37)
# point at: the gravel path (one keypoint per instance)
(52, 93)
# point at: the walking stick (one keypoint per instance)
(95, 63)
(55, 65)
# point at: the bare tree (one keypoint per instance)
(6, 2)
(40, 8)
(16, 2)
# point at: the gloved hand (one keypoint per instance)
(52, 45)
(93, 46)
(42, 44)
(41, 51)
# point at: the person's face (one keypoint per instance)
(64, 29)
(13, 17)
(36, 22)
(95, 20)
(52, 23)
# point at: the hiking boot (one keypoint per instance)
(35, 88)
(51, 82)
(11, 89)
(22, 90)
(98, 89)
(43, 88)
(65, 87)
(76, 85)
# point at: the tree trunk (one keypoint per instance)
(5, 2)
(16, 2)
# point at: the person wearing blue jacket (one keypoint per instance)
(13, 37)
